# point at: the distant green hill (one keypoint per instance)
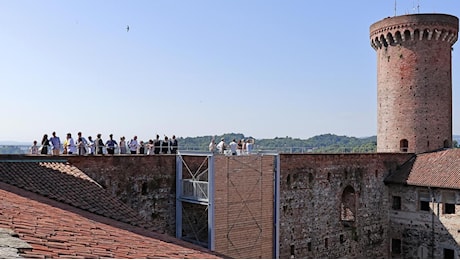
(326, 143)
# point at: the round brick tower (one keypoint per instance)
(414, 81)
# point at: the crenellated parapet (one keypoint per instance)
(394, 31)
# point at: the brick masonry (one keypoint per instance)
(312, 186)
(414, 81)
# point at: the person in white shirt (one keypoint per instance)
(233, 145)
(212, 146)
(71, 148)
(34, 148)
(221, 146)
(133, 145)
(81, 144)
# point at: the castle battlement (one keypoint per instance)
(396, 30)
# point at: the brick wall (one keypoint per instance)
(312, 186)
(414, 81)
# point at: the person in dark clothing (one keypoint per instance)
(157, 145)
(111, 144)
(99, 144)
(142, 148)
(174, 145)
(45, 144)
(165, 146)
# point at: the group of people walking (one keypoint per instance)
(83, 146)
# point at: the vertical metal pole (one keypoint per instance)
(211, 244)
(178, 195)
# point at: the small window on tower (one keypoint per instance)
(404, 145)
(446, 144)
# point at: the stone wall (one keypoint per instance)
(418, 230)
(331, 205)
(146, 183)
(314, 190)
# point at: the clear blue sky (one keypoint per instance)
(263, 68)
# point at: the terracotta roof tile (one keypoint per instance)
(436, 169)
(79, 234)
(63, 182)
(62, 213)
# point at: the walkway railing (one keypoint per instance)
(24, 149)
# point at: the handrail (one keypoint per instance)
(25, 149)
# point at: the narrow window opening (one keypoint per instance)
(292, 251)
(309, 246)
(341, 239)
(396, 246)
(326, 243)
(404, 145)
(424, 201)
(424, 205)
(348, 206)
(449, 253)
(449, 208)
(396, 203)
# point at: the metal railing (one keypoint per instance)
(24, 149)
(195, 190)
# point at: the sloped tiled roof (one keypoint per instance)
(62, 213)
(436, 169)
(56, 230)
(63, 182)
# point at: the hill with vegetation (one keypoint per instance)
(326, 143)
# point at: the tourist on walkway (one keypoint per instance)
(111, 145)
(150, 147)
(221, 146)
(91, 145)
(45, 144)
(70, 145)
(81, 144)
(56, 142)
(34, 148)
(157, 145)
(212, 146)
(122, 145)
(165, 146)
(174, 145)
(99, 144)
(233, 145)
(133, 145)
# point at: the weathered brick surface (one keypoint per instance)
(414, 81)
(146, 183)
(310, 204)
